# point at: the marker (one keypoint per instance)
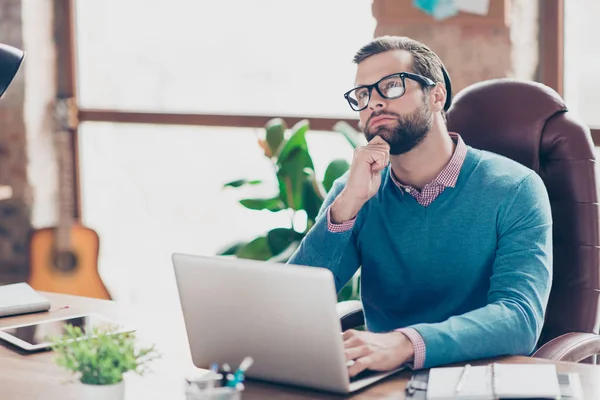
(238, 376)
(246, 363)
(226, 373)
(213, 371)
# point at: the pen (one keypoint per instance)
(213, 371)
(246, 363)
(462, 379)
(226, 373)
(238, 376)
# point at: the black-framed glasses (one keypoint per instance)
(389, 87)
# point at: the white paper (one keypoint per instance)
(20, 298)
(527, 381)
(480, 7)
(445, 9)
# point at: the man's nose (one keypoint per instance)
(376, 102)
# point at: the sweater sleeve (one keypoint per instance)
(333, 249)
(511, 322)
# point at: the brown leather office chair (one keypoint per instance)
(530, 123)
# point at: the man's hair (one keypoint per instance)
(424, 61)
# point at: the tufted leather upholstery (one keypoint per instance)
(530, 123)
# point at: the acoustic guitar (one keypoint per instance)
(64, 258)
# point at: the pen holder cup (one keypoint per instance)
(217, 393)
(211, 389)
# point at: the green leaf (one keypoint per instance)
(100, 356)
(275, 130)
(291, 177)
(354, 137)
(230, 249)
(318, 186)
(241, 182)
(297, 141)
(311, 199)
(274, 204)
(292, 161)
(334, 170)
(258, 249)
(280, 239)
(351, 290)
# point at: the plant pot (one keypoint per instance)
(102, 392)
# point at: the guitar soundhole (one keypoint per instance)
(65, 261)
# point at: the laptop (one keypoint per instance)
(283, 316)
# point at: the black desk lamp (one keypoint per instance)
(11, 59)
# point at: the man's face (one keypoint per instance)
(403, 122)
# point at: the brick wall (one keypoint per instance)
(473, 48)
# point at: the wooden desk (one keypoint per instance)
(35, 376)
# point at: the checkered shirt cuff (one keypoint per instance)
(418, 345)
(338, 228)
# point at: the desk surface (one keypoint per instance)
(35, 376)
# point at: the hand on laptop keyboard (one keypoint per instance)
(376, 351)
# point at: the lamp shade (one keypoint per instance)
(11, 59)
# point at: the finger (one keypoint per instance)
(381, 150)
(382, 146)
(372, 156)
(385, 156)
(369, 149)
(353, 342)
(378, 147)
(348, 334)
(378, 140)
(358, 352)
(379, 162)
(359, 365)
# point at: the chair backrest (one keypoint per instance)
(529, 123)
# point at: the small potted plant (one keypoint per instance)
(100, 358)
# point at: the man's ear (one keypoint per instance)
(438, 94)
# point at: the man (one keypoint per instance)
(454, 243)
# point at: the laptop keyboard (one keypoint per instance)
(364, 374)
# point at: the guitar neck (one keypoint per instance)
(66, 193)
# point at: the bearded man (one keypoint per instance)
(454, 243)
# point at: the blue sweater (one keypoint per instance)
(471, 272)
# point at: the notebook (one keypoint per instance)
(494, 381)
(20, 298)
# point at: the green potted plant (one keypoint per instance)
(298, 190)
(99, 359)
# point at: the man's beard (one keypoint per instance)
(408, 132)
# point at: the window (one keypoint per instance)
(152, 190)
(582, 59)
(205, 56)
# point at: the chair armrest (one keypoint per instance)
(351, 314)
(573, 347)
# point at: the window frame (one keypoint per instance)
(550, 72)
